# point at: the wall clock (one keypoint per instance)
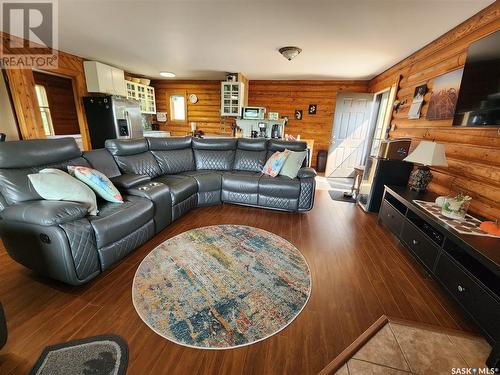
(193, 98)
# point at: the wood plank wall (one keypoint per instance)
(473, 154)
(22, 86)
(285, 97)
(206, 112)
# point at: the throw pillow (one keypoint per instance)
(275, 163)
(98, 182)
(56, 185)
(293, 163)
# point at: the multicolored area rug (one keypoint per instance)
(221, 287)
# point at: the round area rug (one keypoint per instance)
(221, 287)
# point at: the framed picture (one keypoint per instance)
(274, 116)
(298, 114)
(312, 109)
(418, 101)
(444, 95)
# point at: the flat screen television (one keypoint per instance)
(478, 102)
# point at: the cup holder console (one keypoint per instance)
(150, 186)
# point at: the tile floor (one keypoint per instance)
(399, 349)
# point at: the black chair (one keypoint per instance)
(2, 137)
(3, 328)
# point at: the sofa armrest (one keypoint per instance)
(306, 172)
(45, 213)
(129, 180)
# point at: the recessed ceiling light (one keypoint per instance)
(167, 74)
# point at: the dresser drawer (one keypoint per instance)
(391, 217)
(419, 244)
(484, 308)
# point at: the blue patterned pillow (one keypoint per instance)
(98, 182)
(275, 163)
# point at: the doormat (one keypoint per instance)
(98, 355)
(339, 196)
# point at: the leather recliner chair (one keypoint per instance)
(160, 178)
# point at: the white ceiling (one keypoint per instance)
(204, 39)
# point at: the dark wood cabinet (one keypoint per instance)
(467, 266)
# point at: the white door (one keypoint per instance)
(349, 133)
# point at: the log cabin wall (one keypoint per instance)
(285, 97)
(21, 83)
(206, 112)
(473, 154)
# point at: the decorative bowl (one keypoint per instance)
(456, 208)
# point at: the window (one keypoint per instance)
(177, 108)
(43, 104)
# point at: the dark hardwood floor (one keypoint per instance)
(359, 273)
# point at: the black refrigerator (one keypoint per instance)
(111, 117)
(380, 172)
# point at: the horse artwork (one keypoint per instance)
(444, 95)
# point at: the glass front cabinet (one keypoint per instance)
(144, 94)
(232, 98)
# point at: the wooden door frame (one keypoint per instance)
(21, 85)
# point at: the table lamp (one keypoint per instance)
(427, 154)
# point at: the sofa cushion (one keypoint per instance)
(214, 153)
(37, 152)
(97, 181)
(126, 147)
(279, 186)
(181, 187)
(174, 155)
(293, 163)
(103, 161)
(275, 163)
(207, 180)
(56, 185)
(250, 155)
(133, 156)
(18, 159)
(115, 220)
(274, 145)
(241, 181)
(144, 163)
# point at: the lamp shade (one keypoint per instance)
(429, 154)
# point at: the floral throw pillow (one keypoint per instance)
(275, 163)
(97, 182)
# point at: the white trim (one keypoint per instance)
(236, 346)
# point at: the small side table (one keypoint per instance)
(358, 176)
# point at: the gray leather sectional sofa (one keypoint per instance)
(160, 179)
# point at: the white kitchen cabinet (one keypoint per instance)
(104, 78)
(232, 98)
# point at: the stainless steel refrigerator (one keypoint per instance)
(110, 117)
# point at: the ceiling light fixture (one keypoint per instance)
(167, 74)
(290, 52)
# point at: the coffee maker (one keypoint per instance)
(262, 129)
(275, 132)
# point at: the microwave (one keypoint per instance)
(253, 113)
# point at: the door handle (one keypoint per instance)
(332, 140)
(461, 289)
(415, 242)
